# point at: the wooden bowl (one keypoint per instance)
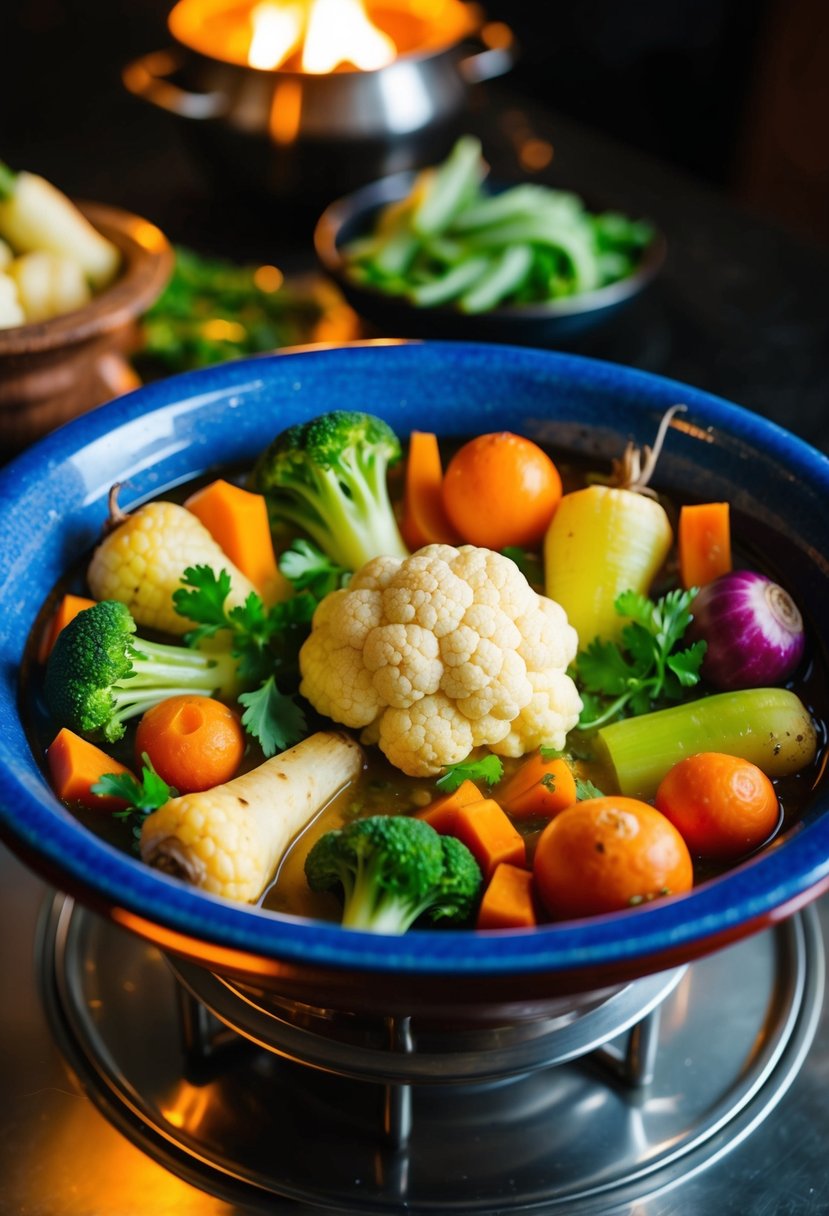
(50, 371)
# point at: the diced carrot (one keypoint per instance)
(425, 521)
(67, 610)
(704, 542)
(238, 522)
(489, 835)
(539, 788)
(441, 813)
(76, 765)
(508, 901)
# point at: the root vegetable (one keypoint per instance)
(229, 840)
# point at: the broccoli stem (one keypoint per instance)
(349, 529)
(368, 905)
(170, 671)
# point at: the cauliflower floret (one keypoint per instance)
(439, 653)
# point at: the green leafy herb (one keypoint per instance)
(551, 753)
(213, 310)
(490, 770)
(549, 782)
(647, 669)
(307, 568)
(261, 638)
(272, 717)
(142, 797)
(586, 789)
(264, 640)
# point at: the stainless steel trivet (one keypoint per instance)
(268, 1135)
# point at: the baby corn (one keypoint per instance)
(229, 840)
(142, 561)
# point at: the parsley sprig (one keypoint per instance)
(489, 769)
(265, 641)
(142, 797)
(648, 668)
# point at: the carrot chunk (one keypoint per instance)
(441, 813)
(539, 788)
(66, 611)
(425, 521)
(508, 900)
(704, 541)
(488, 834)
(238, 522)
(76, 765)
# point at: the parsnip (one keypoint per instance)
(607, 539)
(603, 541)
(10, 311)
(48, 285)
(35, 215)
(768, 726)
(229, 840)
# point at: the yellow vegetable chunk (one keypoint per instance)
(230, 839)
(603, 541)
(141, 563)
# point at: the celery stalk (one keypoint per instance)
(768, 726)
(450, 188)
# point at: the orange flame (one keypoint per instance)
(328, 33)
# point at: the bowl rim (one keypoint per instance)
(360, 203)
(147, 265)
(759, 891)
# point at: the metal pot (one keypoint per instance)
(287, 132)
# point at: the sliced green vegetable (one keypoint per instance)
(452, 284)
(768, 726)
(504, 276)
(456, 178)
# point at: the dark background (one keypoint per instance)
(734, 91)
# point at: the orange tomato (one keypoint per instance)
(501, 489)
(722, 805)
(605, 854)
(193, 742)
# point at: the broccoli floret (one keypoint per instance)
(391, 869)
(328, 477)
(99, 674)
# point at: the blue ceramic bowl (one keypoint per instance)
(554, 324)
(52, 505)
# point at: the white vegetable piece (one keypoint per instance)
(229, 840)
(48, 285)
(10, 311)
(35, 215)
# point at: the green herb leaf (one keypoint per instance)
(490, 770)
(549, 782)
(647, 669)
(142, 797)
(307, 568)
(586, 789)
(272, 717)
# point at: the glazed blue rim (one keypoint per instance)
(33, 821)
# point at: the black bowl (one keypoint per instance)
(552, 324)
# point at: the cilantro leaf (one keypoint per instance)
(307, 568)
(272, 717)
(202, 599)
(646, 668)
(490, 769)
(549, 782)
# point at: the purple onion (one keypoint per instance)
(753, 629)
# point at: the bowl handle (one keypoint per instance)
(148, 78)
(493, 59)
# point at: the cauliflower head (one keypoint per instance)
(436, 654)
